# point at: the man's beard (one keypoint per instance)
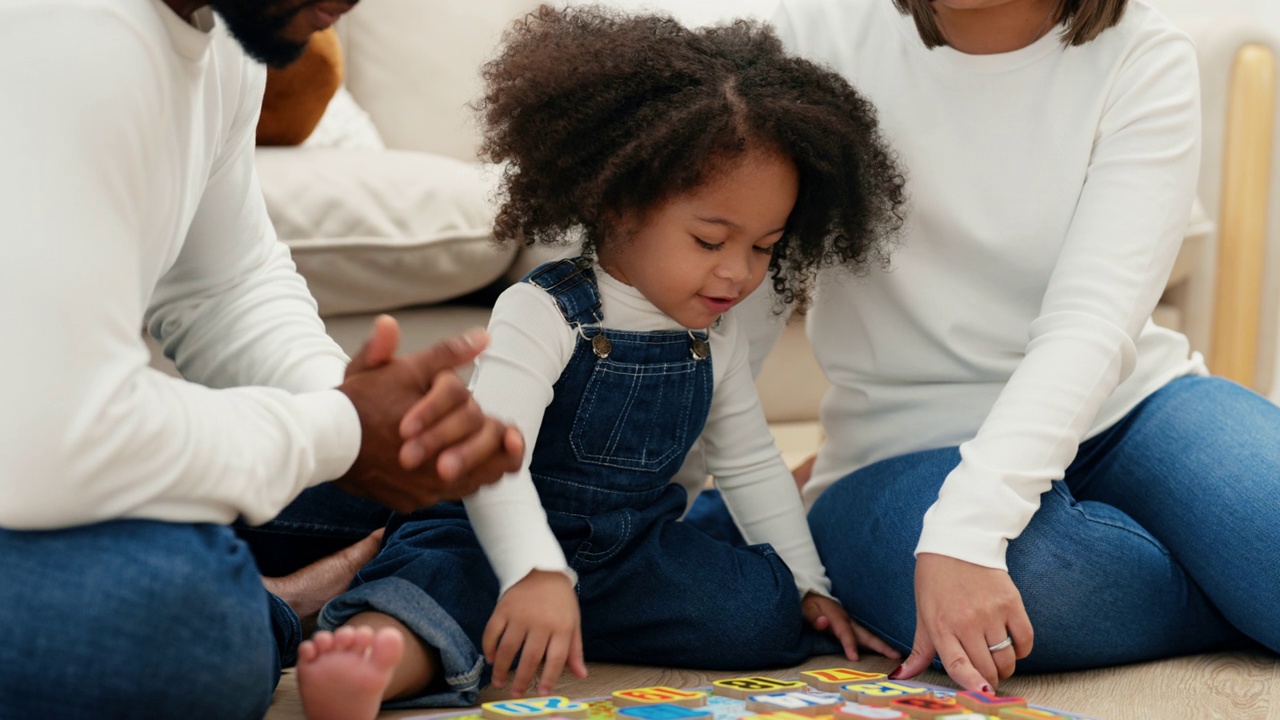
(258, 25)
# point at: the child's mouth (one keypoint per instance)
(717, 304)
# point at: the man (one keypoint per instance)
(128, 196)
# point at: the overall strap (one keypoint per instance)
(572, 284)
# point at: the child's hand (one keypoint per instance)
(825, 614)
(537, 617)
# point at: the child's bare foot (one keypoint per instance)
(342, 675)
(307, 590)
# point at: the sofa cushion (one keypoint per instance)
(374, 231)
(296, 96)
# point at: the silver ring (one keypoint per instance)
(1006, 642)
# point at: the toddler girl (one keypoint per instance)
(691, 163)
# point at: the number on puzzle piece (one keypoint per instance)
(925, 707)
(658, 694)
(541, 707)
(981, 702)
(742, 688)
(858, 711)
(831, 679)
(795, 702)
(880, 693)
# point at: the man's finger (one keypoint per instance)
(379, 349)
(448, 354)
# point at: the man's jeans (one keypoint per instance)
(133, 619)
(142, 619)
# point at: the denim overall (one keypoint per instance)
(652, 590)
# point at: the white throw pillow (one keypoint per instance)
(345, 125)
(375, 231)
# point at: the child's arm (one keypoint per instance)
(761, 494)
(748, 468)
(537, 612)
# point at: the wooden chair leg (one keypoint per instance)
(1243, 214)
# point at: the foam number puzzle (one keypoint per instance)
(858, 711)
(543, 707)
(798, 703)
(987, 703)
(831, 679)
(658, 695)
(920, 706)
(880, 693)
(857, 697)
(742, 688)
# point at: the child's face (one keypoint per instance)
(699, 254)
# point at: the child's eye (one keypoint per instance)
(706, 245)
(763, 250)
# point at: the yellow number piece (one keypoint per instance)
(831, 679)
(742, 688)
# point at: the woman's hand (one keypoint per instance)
(827, 615)
(537, 618)
(962, 610)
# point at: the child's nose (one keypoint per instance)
(734, 266)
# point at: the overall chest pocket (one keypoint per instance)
(636, 416)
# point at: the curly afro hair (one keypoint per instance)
(599, 114)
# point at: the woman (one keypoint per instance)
(1064, 473)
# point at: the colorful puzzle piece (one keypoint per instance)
(541, 707)
(831, 679)
(662, 712)
(880, 693)
(925, 706)
(987, 703)
(969, 716)
(858, 711)
(795, 702)
(659, 694)
(742, 688)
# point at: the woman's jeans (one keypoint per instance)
(1163, 539)
(147, 619)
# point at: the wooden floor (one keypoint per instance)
(1226, 686)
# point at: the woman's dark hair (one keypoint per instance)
(599, 114)
(1084, 19)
